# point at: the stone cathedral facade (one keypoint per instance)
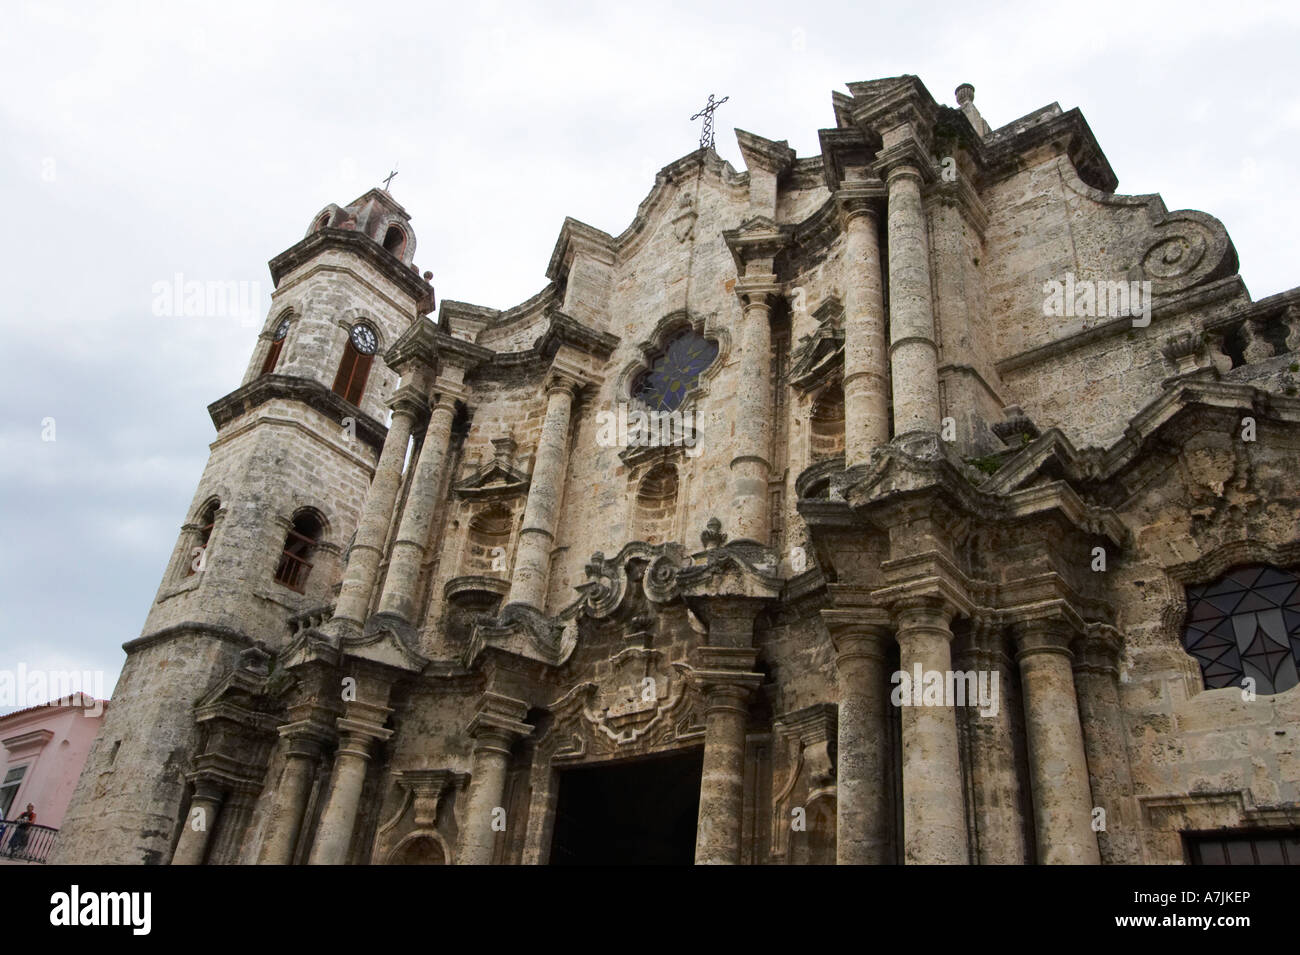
(924, 500)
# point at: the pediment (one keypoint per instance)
(496, 479)
(819, 355)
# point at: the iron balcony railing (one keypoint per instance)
(25, 841)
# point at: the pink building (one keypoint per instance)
(44, 750)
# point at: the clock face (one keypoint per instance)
(364, 340)
(280, 331)
(675, 372)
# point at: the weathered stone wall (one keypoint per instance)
(972, 549)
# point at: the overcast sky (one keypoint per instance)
(141, 140)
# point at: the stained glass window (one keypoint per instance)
(675, 372)
(1246, 624)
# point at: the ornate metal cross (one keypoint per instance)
(706, 134)
(389, 179)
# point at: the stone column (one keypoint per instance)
(1058, 766)
(496, 727)
(377, 512)
(913, 353)
(934, 815)
(289, 801)
(359, 729)
(193, 844)
(541, 514)
(726, 685)
(864, 780)
(399, 595)
(1105, 740)
(866, 363)
(752, 417)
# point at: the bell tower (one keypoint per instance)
(265, 536)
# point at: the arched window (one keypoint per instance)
(358, 354)
(198, 552)
(489, 541)
(321, 222)
(656, 505)
(1246, 624)
(299, 543)
(277, 343)
(670, 376)
(826, 423)
(395, 240)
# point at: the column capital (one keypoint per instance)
(305, 737)
(859, 633)
(859, 204)
(207, 786)
(1052, 635)
(1098, 650)
(359, 734)
(725, 674)
(449, 391)
(905, 158)
(932, 610)
(758, 291)
(499, 721)
(410, 401)
(563, 377)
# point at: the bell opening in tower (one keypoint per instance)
(636, 812)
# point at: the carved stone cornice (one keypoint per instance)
(739, 568)
(521, 630)
(757, 242)
(266, 388)
(759, 153)
(576, 237)
(608, 585)
(565, 330)
(388, 641)
(886, 104)
(407, 279)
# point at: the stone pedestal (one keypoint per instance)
(934, 814)
(1058, 766)
(193, 844)
(864, 780)
(401, 584)
(866, 363)
(377, 513)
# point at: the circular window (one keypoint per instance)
(674, 373)
(364, 339)
(281, 330)
(1246, 624)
